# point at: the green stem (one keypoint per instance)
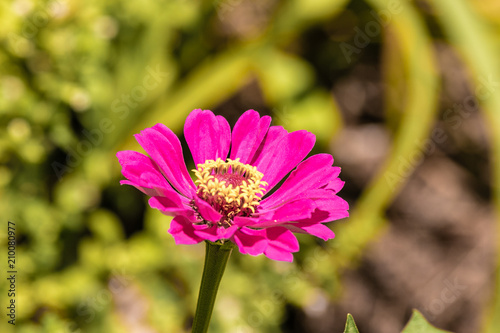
(216, 259)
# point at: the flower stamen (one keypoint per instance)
(231, 188)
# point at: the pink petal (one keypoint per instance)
(214, 233)
(296, 210)
(207, 232)
(313, 173)
(142, 173)
(165, 149)
(227, 233)
(243, 221)
(283, 238)
(335, 185)
(182, 230)
(335, 206)
(290, 212)
(280, 156)
(318, 230)
(248, 133)
(318, 216)
(273, 135)
(281, 243)
(328, 207)
(146, 190)
(276, 253)
(250, 241)
(208, 136)
(171, 205)
(206, 211)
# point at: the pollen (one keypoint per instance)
(230, 187)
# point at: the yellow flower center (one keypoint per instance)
(231, 188)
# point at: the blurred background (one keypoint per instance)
(403, 93)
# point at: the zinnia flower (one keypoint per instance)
(234, 199)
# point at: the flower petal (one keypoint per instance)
(206, 211)
(142, 173)
(313, 173)
(182, 229)
(248, 133)
(335, 185)
(250, 241)
(328, 207)
(296, 210)
(165, 149)
(273, 135)
(280, 156)
(227, 233)
(335, 206)
(279, 254)
(283, 238)
(171, 205)
(317, 229)
(208, 136)
(281, 243)
(244, 221)
(293, 211)
(207, 232)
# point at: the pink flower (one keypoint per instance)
(234, 198)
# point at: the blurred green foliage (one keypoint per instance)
(78, 78)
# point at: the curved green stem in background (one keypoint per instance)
(409, 32)
(476, 44)
(216, 259)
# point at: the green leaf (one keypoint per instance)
(418, 324)
(350, 325)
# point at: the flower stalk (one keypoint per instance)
(216, 258)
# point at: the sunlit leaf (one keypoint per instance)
(418, 324)
(350, 325)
